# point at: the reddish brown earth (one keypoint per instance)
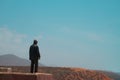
(63, 73)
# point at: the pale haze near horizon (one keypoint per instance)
(70, 33)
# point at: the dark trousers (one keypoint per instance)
(34, 66)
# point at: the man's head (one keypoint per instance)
(35, 42)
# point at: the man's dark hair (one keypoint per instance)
(35, 42)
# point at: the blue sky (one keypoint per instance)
(71, 33)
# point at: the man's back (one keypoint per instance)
(34, 52)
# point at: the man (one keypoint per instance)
(34, 56)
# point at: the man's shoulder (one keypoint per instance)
(31, 46)
(34, 45)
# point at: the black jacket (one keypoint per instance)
(34, 53)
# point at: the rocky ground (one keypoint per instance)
(63, 73)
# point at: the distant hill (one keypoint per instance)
(13, 60)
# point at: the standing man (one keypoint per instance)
(34, 56)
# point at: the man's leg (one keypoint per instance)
(36, 66)
(32, 66)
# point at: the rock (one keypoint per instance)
(25, 76)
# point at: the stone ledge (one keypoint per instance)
(25, 76)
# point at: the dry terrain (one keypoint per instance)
(64, 73)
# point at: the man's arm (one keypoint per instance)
(38, 52)
(30, 53)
